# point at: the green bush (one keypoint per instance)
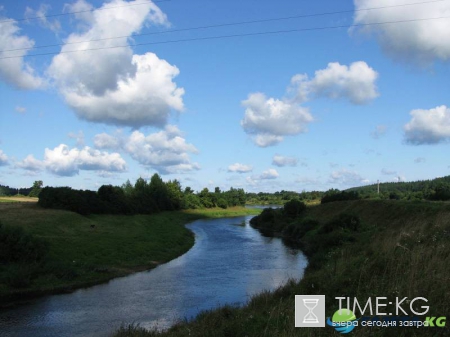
(17, 246)
(294, 207)
(343, 221)
(222, 203)
(296, 231)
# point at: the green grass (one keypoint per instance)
(90, 250)
(18, 198)
(402, 249)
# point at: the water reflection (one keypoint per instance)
(227, 264)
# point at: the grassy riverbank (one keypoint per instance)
(398, 249)
(89, 250)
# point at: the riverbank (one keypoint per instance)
(362, 249)
(84, 251)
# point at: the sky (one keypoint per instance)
(254, 94)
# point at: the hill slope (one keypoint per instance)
(398, 249)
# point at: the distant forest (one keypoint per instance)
(155, 195)
(144, 197)
(9, 191)
(280, 198)
(435, 189)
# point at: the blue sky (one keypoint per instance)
(304, 110)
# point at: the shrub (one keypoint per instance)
(343, 221)
(296, 231)
(222, 203)
(294, 207)
(17, 246)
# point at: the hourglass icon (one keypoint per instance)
(310, 304)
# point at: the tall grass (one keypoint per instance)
(402, 249)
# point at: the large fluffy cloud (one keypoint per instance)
(422, 40)
(111, 85)
(165, 151)
(355, 83)
(15, 70)
(269, 119)
(31, 164)
(3, 158)
(63, 161)
(428, 126)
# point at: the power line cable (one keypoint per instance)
(84, 11)
(232, 36)
(230, 24)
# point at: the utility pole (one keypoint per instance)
(378, 187)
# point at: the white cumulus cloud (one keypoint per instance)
(428, 126)
(112, 85)
(16, 71)
(165, 151)
(355, 83)
(64, 161)
(421, 40)
(106, 141)
(3, 158)
(269, 174)
(240, 168)
(269, 119)
(31, 164)
(281, 161)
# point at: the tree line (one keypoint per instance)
(281, 197)
(144, 197)
(435, 189)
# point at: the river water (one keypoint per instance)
(229, 263)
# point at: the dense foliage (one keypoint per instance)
(280, 198)
(9, 191)
(336, 195)
(21, 255)
(17, 246)
(141, 198)
(435, 189)
(36, 189)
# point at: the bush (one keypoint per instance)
(294, 207)
(343, 221)
(17, 246)
(296, 231)
(222, 203)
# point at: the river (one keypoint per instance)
(229, 263)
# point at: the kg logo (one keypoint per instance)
(342, 320)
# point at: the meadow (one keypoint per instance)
(87, 250)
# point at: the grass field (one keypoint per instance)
(89, 250)
(19, 199)
(401, 250)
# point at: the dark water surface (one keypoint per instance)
(229, 262)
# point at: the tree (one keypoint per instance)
(36, 189)
(127, 188)
(175, 193)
